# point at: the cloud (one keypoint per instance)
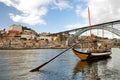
(100, 11)
(79, 10)
(32, 11)
(60, 4)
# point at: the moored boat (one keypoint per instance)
(96, 51)
(91, 56)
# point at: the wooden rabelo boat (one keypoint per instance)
(84, 56)
(92, 54)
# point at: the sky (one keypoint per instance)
(57, 15)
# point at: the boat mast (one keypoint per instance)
(89, 20)
(91, 35)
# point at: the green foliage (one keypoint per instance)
(17, 36)
(23, 39)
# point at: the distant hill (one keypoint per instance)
(26, 28)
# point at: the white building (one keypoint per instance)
(16, 28)
(30, 36)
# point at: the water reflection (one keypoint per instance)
(84, 70)
(16, 64)
(79, 69)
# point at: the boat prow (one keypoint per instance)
(91, 56)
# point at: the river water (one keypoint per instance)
(16, 64)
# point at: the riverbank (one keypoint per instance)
(32, 48)
(10, 48)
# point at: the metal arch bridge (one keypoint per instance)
(106, 26)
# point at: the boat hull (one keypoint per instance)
(91, 56)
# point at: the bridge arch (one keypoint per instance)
(110, 29)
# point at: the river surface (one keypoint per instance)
(16, 64)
